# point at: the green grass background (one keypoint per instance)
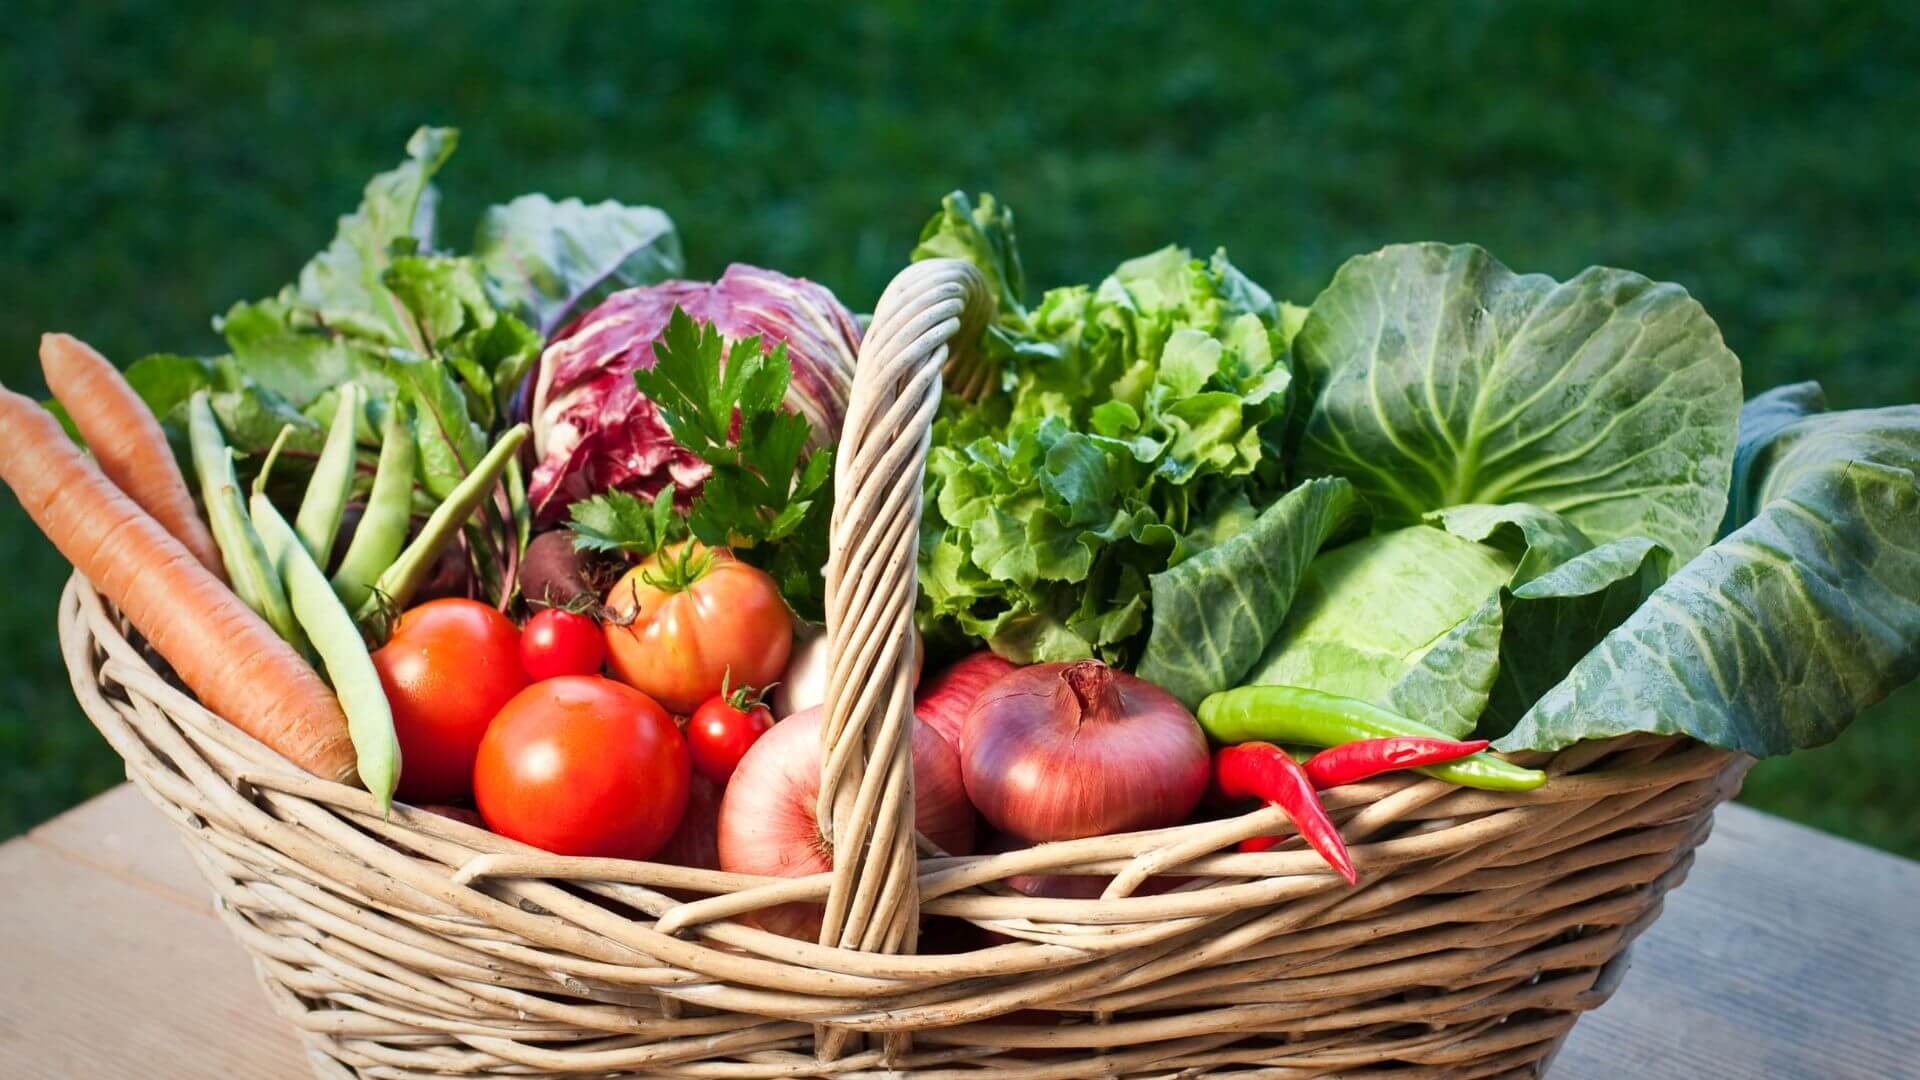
(158, 161)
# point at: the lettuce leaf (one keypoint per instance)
(1136, 422)
(984, 236)
(1804, 614)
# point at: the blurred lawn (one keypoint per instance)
(160, 161)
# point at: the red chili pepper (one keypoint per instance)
(1352, 762)
(1264, 771)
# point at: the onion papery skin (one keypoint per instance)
(767, 823)
(946, 698)
(804, 686)
(1068, 750)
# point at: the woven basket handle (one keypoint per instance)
(866, 743)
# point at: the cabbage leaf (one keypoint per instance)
(1807, 612)
(1439, 378)
(1461, 623)
(1214, 613)
(379, 307)
(546, 261)
(1368, 612)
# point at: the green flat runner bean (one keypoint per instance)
(254, 578)
(331, 484)
(337, 639)
(383, 528)
(1295, 714)
(261, 478)
(398, 582)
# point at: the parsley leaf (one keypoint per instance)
(617, 521)
(767, 499)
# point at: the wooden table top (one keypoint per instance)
(1786, 954)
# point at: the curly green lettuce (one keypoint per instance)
(1135, 423)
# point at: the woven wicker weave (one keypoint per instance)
(416, 946)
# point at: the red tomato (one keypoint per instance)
(693, 617)
(560, 642)
(448, 668)
(722, 728)
(581, 765)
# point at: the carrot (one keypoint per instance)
(226, 654)
(125, 439)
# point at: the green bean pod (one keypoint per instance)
(383, 528)
(1296, 714)
(337, 639)
(254, 578)
(331, 484)
(521, 511)
(399, 582)
(261, 478)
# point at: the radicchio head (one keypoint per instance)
(592, 428)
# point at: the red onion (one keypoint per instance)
(766, 816)
(804, 684)
(1062, 751)
(945, 700)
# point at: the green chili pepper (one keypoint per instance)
(318, 519)
(1294, 714)
(254, 579)
(398, 582)
(337, 640)
(383, 528)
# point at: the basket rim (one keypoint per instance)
(393, 943)
(956, 885)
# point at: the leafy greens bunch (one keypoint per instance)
(1135, 423)
(1529, 510)
(767, 498)
(1576, 531)
(447, 339)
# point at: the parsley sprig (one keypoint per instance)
(617, 521)
(768, 499)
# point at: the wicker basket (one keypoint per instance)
(1484, 923)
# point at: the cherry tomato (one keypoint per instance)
(447, 669)
(722, 728)
(689, 619)
(560, 642)
(581, 765)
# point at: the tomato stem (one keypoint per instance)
(743, 697)
(679, 573)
